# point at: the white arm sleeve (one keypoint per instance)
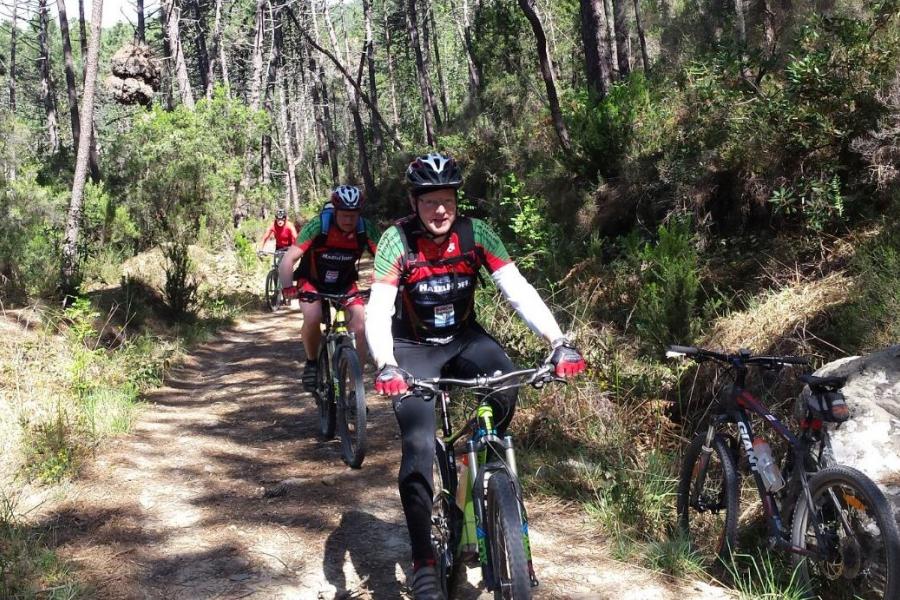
(379, 311)
(525, 299)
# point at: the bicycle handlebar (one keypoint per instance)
(536, 377)
(270, 252)
(740, 358)
(314, 296)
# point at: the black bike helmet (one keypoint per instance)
(280, 214)
(347, 197)
(433, 171)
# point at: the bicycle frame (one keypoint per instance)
(735, 410)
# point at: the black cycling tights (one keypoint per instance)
(471, 353)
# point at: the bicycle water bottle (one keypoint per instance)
(765, 464)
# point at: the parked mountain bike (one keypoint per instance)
(842, 533)
(340, 393)
(486, 507)
(274, 299)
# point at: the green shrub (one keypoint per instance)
(531, 233)
(180, 291)
(670, 281)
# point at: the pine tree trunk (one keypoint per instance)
(287, 143)
(428, 109)
(272, 68)
(219, 49)
(140, 34)
(322, 84)
(464, 29)
(168, 83)
(610, 39)
(256, 55)
(173, 28)
(437, 62)
(623, 37)
(13, 35)
(426, 59)
(73, 221)
(638, 20)
(83, 35)
(740, 24)
(597, 60)
(377, 141)
(390, 65)
(547, 72)
(203, 63)
(48, 90)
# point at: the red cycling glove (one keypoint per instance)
(289, 293)
(391, 381)
(566, 359)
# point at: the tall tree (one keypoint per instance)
(82, 30)
(597, 61)
(639, 23)
(140, 34)
(256, 54)
(547, 72)
(623, 37)
(610, 36)
(429, 110)
(437, 59)
(390, 64)
(172, 16)
(219, 49)
(464, 29)
(48, 90)
(373, 88)
(73, 221)
(13, 38)
(321, 85)
(203, 62)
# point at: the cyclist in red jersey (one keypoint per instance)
(329, 248)
(420, 320)
(283, 232)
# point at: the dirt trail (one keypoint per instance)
(179, 508)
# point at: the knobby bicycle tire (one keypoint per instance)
(851, 573)
(446, 518)
(351, 406)
(273, 291)
(504, 525)
(325, 395)
(716, 536)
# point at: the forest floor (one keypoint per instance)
(223, 490)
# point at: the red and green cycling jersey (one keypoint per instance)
(436, 282)
(330, 255)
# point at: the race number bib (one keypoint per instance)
(444, 315)
(332, 276)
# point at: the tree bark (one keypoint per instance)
(83, 35)
(167, 67)
(287, 142)
(437, 61)
(597, 60)
(464, 29)
(428, 108)
(48, 90)
(623, 37)
(377, 141)
(72, 90)
(13, 35)
(547, 72)
(639, 22)
(203, 63)
(256, 77)
(173, 18)
(740, 24)
(140, 35)
(610, 38)
(219, 49)
(73, 220)
(320, 83)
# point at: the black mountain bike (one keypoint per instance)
(486, 507)
(274, 299)
(842, 533)
(340, 393)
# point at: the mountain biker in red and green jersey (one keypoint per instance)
(420, 321)
(283, 232)
(329, 248)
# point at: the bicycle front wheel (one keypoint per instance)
(351, 406)
(325, 395)
(859, 544)
(273, 291)
(504, 524)
(446, 517)
(708, 497)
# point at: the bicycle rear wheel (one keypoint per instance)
(325, 395)
(446, 517)
(351, 406)
(273, 291)
(860, 538)
(708, 497)
(504, 525)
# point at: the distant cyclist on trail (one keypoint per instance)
(329, 248)
(282, 230)
(420, 321)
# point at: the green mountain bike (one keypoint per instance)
(340, 394)
(274, 299)
(481, 507)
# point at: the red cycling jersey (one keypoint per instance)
(284, 236)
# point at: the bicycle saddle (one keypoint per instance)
(823, 384)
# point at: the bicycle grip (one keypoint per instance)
(681, 350)
(794, 360)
